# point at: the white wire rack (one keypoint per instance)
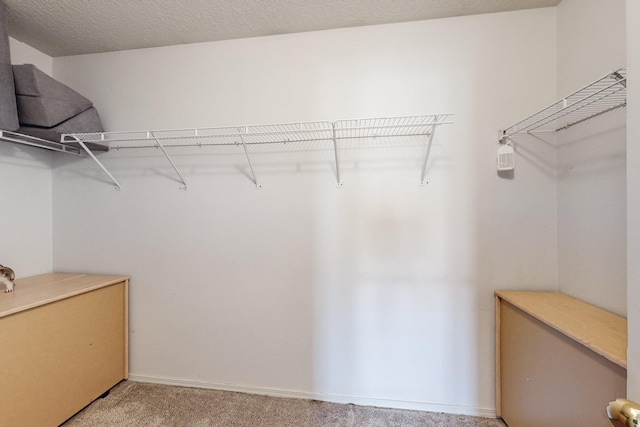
(606, 94)
(248, 137)
(20, 138)
(231, 135)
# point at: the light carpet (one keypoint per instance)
(142, 404)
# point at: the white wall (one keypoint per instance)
(633, 199)
(591, 159)
(26, 185)
(22, 53)
(25, 176)
(379, 292)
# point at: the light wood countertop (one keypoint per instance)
(602, 331)
(38, 290)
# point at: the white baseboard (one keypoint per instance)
(326, 397)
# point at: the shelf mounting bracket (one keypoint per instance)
(335, 152)
(173, 165)
(95, 159)
(246, 153)
(426, 157)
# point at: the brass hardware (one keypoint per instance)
(623, 413)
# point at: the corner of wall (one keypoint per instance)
(27, 176)
(590, 181)
(22, 53)
(633, 200)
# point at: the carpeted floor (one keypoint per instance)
(140, 404)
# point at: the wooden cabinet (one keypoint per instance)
(559, 361)
(63, 343)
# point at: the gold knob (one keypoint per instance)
(623, 413)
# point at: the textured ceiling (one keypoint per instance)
(72, 27)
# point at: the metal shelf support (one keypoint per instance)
(246, 153)
(95, 159)
(426, 157)
(335, 152)
(173, 165)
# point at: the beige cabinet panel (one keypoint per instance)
(64, 343)
(559, 361)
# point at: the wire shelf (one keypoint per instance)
(266, 134)
(389, 126)
(606, 94)
(32, 141)
(230, 135)
(248, 138)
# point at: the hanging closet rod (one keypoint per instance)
(606, 94)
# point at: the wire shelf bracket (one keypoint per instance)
(335, 154)
(426, 157)
(173, 165)
(95, 159)
(251, 136)
(246, 153)
(608, 93)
